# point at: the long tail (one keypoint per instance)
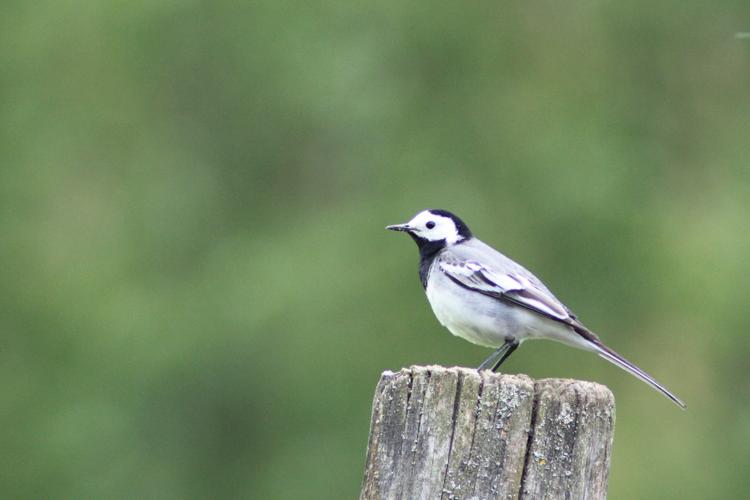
(614, 358)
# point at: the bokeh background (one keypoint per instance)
(197, 293)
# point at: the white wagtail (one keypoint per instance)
(486, 298)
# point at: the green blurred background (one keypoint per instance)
(197, 293)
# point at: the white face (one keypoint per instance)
(434, 227)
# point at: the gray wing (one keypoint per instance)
(504, 285)
(479, 267)
(477, 250)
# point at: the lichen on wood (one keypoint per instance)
(456, 433)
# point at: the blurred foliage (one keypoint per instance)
(197, 295)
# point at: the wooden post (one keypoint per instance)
(455, 433)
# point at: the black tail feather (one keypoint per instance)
(614, 358)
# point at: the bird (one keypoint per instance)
(484, 297)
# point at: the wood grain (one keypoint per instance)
(456, 433)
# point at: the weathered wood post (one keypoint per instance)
(455, 433)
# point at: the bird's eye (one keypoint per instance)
(430, 225)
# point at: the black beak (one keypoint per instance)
(399, 227)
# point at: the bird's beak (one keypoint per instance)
(399, 227)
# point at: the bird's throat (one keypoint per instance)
(427, 252)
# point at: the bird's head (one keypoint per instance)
(435, 227)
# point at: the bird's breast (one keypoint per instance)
(488, 321)
(475, 317)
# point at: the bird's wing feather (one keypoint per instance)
(517, 285)
(510, 286)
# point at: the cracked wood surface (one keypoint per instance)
(455, 433)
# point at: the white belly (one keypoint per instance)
(488, 321)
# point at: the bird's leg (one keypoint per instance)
(501, 354)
